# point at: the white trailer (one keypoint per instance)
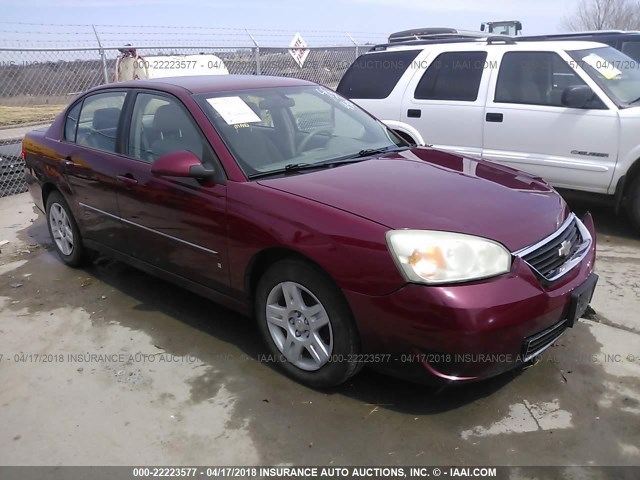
(131, 66)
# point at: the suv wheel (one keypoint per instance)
(306, 324)
(633, 203)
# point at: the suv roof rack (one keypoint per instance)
(435, 32)
(586, 33)
(446, 38)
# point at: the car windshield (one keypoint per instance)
(617, 74)
(271, 130)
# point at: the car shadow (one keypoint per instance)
(383, 391)
(204, 316)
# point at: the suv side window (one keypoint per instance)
(632, 49)
(71, 123)
(453, 76)
(98, 123)
(534, 78)
(375, 75)
(161, 125)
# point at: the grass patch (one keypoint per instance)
(28, 114)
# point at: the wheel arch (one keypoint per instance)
(47, 189)
(406, 131)
(264, 259)
(627, 181)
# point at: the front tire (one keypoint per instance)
(306, 324)
(64, 231)
(633, 204)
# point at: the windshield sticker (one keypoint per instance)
(604, 68)
(336, 98)
(234, 110)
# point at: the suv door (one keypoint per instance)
(527, 126)
(175, 224)
(89, 147)
(445, 102)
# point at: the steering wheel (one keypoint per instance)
(312, 134)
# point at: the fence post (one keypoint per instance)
(355, 45)
(102, 56)
(256, 51)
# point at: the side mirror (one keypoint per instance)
(181, 164)
(482, 27)
(578, 96)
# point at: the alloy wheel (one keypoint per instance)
(61, 229)
(299, 326)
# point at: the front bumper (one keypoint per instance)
(467, 332)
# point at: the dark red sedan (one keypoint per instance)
(280, 198)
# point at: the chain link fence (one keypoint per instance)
(37, 81)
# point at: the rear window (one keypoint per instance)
(375, 75)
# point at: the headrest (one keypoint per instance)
(168, 118)
(106, 118)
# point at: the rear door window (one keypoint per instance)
(453, 76)
(99, 118)
(375, 75)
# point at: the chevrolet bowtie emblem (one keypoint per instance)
(565, 249)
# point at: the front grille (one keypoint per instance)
(538, 343)
(560, 252)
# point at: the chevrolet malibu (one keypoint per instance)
(283, 200)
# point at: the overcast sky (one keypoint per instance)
(384, 16)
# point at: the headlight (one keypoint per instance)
(433, 257)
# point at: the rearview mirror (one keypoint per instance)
(181, 164)
(578, 96)
(274, 102)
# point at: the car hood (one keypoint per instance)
(428, 189)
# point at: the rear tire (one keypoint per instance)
(633, 204)
(64, 232)
(306, 324)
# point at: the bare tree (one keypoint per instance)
(604, 15)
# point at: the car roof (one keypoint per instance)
(470, 44)
(212, 83)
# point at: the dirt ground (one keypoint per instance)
(110, 366)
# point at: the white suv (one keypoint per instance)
(566, 111)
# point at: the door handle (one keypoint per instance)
(68, 162)
(414, 113)
(127, 180)
(495, 117)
